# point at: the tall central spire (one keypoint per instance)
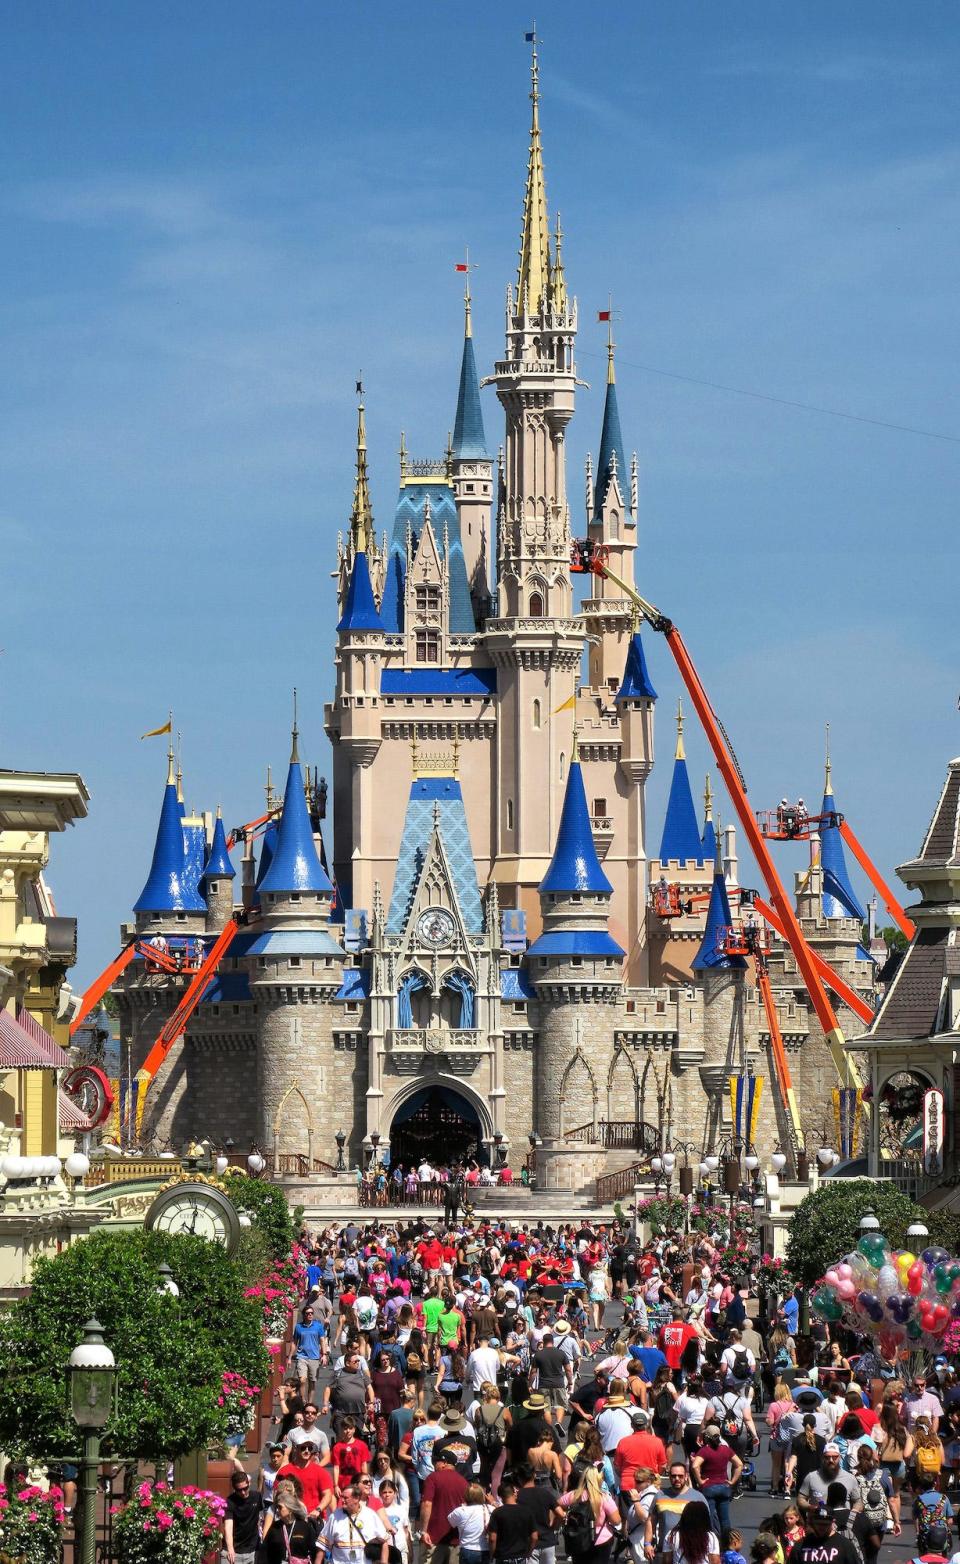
(533, 276)
(361, 517)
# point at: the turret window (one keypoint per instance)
(509, 814)
(563, 765)
(599, 806)
(536, 714)
(426, 598)
(427, 646)
(536, 605)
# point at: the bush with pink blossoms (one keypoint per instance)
(30, 1521)
(165, 1525)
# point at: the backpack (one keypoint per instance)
(578, 1528)
(782, 1360)
(740, 1367)
(663, 1406)
(731, 1424)
(929, 1459)
(489, 1436)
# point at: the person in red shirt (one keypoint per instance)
(674, 1338)
(351, 1456)
(316, 1481)
(641, 1448)
(443, 1491)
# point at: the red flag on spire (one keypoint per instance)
(461, 266)
(603, 314)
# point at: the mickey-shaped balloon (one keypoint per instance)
(916, 1276)
(933, 1256)
(873, 1246)
(900, 1308)
(826, 1303)
(869, 1304)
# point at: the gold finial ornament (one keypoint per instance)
(467, 318)
(171, 769)
(611, 370)
(295, 733)
(361, 516)
(533, 275)
(827, 784)
(681, 753)
(558, 285)
(707, 799)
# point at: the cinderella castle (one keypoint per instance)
(472, 961)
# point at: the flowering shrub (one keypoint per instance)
(30, 1522)
(164, 1525)
(775, 1275)
(664, 1213)
(238, 1398)
(279, 1291)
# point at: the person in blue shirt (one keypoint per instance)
(649, 1356)
(308, 1350)
(790, 1309)
(314, 1276)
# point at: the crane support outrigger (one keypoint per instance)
(586, 559)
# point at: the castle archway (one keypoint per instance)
(438, 1122)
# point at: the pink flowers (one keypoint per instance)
(166, 1525)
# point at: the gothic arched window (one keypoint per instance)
(536, 605)
(536, 714)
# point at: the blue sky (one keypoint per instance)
(215, 218)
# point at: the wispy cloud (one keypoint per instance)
(841, 69)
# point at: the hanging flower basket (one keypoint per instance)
(165, 1525)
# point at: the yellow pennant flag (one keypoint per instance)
(156, 732)
(567, 706)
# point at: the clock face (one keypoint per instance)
(197, 1210)
(436, 926)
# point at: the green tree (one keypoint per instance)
(894, 939)
(171, 1352)
(826, 1224)
(267, 1208)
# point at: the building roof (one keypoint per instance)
(218, 865)
(285, 942)
(24, 1045)
(911, 1006)
(355, 986)
(469, 437)
(681, 829)
(575, 942)
(194, 851)
(611, 459)
(360, 609)
(575, 866)
(295, 865)
(533, 273)
(41, 800)
(711, 953)
(515, 985)
(226, 988)
(839, 898)
(410, 514)
(941, 845)
(437, 799)
(636, 680)
(169, 886)
(438, 681)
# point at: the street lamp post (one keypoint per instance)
(92, 1374)
(341, 1141)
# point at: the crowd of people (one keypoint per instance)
(422, 1184)
(493, 1393)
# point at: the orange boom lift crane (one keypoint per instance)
(792, 824)
(588, 559)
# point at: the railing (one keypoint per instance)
(431, 1040)
(618, 1135)
(299, 1165)
(612, 1186)
(908, 1176)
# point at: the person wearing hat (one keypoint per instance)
(613, 1423)
(458, 1439)
(639, 1448)
(815, 1487)
(823, 1543)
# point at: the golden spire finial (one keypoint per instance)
(179, 766)
(295, 734)
(575, 755)
(707, 799)
(681, 753)
(533, 276)
(827, 784)
(558, 285)
(611, 371)
(361, 517)
(171, 772)
(219, 813)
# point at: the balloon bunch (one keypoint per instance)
(899, 1299)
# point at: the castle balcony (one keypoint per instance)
(459, 1047)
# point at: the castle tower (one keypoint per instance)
(217, 880)
(471, 472)
(536, 645)
(295, 968)
(681, 862)
(612, 523)
(575, 968)
(724, 1006)
(170, 902)
(708, 840)
(635, 702)
(839, 898)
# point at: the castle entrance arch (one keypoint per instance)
(437, 1124)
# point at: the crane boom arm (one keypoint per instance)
(99, 986)
(843, 991)
(780, 1064)
(904, 924)
(729, 770)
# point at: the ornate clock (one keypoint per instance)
(196, 1209)
(436, 926)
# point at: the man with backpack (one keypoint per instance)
(738, 1363)
(733, 1412)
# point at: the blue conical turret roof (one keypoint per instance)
(295, 865)
(575, 866)
(469, 438)
(681, 830)
(839, 897)
(711, 954)
(636, 680)
(611, 448)
(168, 887)
(218, 865)
(360, 609)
